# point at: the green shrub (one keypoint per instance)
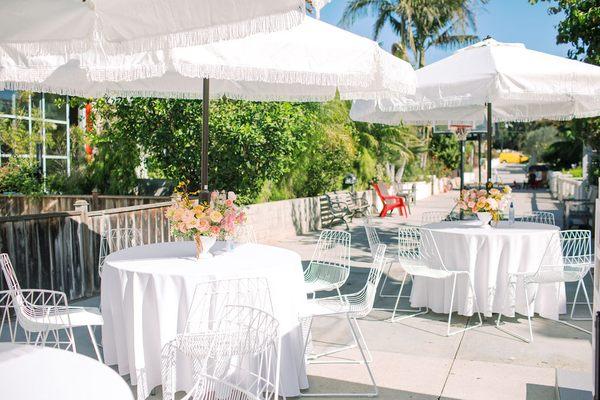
(21, 175)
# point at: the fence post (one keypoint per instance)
(85, 248)
(95, 200)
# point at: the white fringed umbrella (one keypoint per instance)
(43, 27)
(493, 82)
(310, 62)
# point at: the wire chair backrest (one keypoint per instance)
(245, 234)
(569, 251)
(331, 258)
(374, 277)
(372, 238)
(231, 336)
(117, 239)
(429, 253)
(409, 241)
(234, 358)
(9, 273)
(540, 217)
(212, 298)
(435, 216)
(25, 310)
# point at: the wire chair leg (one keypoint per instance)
(362, 342)
(515, 335)
(339, 294)
(93, 338)
(364, 361)
(413, 314)
(385, 279)
(581, 284)
(451, 306)
(71, 338)
(475, 306)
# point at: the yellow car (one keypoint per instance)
(513, 157)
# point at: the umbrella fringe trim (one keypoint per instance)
(268, 23)
(399, 121)
(344, 94)
(428, 105)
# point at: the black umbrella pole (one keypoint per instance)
(462, 170)
(490, 130)
(479, 157)
(204, 194)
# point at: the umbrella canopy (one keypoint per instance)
(521, 84)
(493, 82)
(50, 27)
(309, 62)
(373, 111)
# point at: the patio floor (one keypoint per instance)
(414, 360)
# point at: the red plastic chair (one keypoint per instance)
(390, 203)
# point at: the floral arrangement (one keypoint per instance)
(217, 218)
(492, 201)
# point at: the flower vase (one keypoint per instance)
(203, 245)
(484, 218)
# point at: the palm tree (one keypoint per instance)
(419, 24)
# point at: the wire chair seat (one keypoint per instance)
(329, 267)
(47, 316)
(323, 276)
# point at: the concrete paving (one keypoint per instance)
(412, 359)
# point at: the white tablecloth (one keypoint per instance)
(146, 295)
(489, 254)
(44, 373)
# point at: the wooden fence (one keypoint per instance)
(59, 251)
(12, 205)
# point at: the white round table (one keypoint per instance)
(489, 254)
(146, 295)
(44, 373)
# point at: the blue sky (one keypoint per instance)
(504, 20)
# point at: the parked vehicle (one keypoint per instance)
(513, 157)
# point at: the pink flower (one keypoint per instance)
(202, 225)
(240, 218)
(214, 195)
(215, 230)
(229, 203)
(471, 204)
(188, 217)
(231, 196)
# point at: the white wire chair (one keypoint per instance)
(539, 217)
(352, 306)
(245, 234)
(42, 313)
(232, 341)
(374, 242)
(329, 266)
(419, 255)
(568, 258)
(117, 239)
(436, 216)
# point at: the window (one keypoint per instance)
(39, 115)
